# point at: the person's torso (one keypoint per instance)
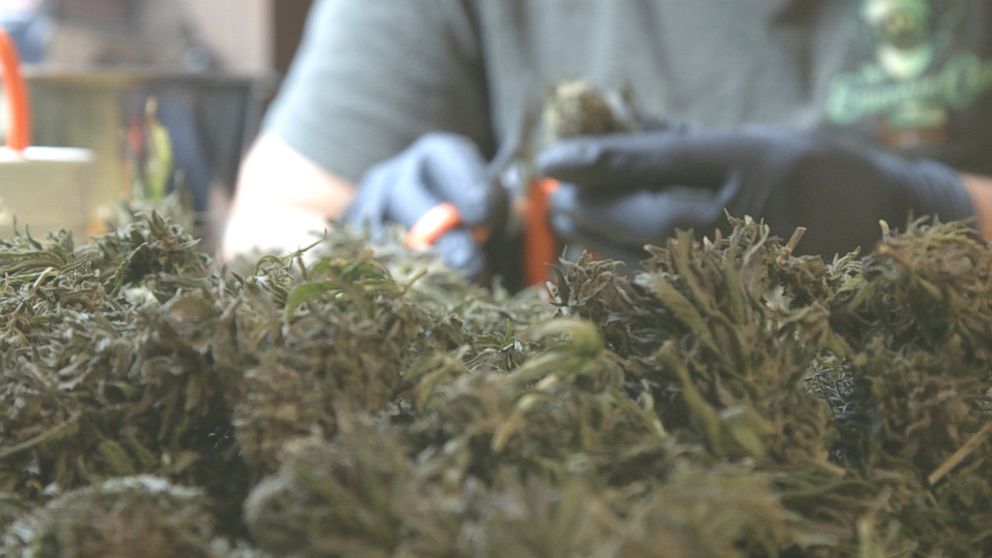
(910, 75)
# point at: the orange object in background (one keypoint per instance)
(19, 133)
(44, 188)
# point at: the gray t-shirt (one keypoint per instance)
(913, 76)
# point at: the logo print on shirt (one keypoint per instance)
(915, 75)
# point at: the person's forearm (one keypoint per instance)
(274, 172)
(281, 200)
(980, 189)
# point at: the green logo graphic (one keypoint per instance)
(905, 83)
(902, 31)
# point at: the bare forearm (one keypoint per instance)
(273, 172)
(980, 189)
(282, 199)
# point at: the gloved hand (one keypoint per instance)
(437, 168)
(620, 192)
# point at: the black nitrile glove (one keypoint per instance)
(621, 192)
(436, 168)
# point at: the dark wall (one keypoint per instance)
(290, 16)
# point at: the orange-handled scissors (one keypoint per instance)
(540, 245)
(19, 134)
(539, 242)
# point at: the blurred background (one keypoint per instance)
(137, 99)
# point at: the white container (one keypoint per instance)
(47, 188)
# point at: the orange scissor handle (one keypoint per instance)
(540, 243)
(440, 219)
(19, 134)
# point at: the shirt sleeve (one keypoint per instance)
(373, 75)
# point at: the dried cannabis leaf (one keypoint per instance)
(727, 399)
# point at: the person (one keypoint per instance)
(824, 114)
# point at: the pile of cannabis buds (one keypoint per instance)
(727, 399)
